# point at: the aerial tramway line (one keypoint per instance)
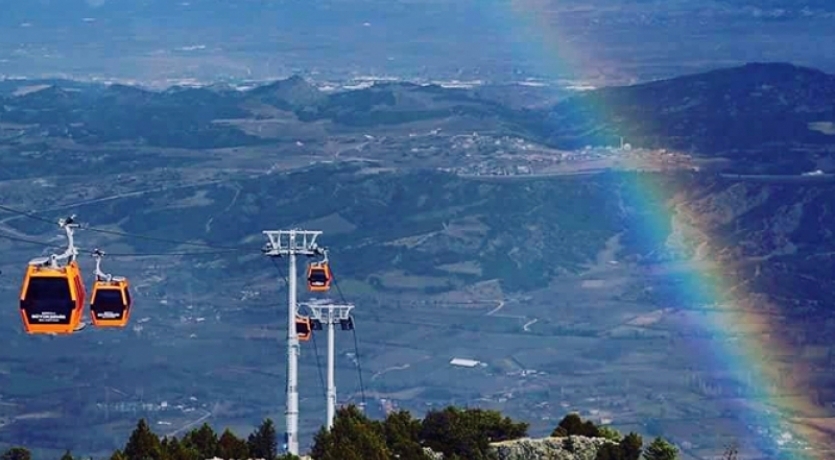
(53, 294)
(53, 297)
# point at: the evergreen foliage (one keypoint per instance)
(353, 437)
(660, 449)
(17, 453)
(262, 443)
(467, 433)
(458, 434)
(573, 425)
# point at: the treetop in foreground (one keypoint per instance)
(449, 434)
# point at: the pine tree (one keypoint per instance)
(660, 449)
(17, 453)
(402, 434)
(631, 446)
(263, 443)
(143, 444)
(468, 433)
(67, 455)
(608, 452)
(353, 437)
(174, 449)
(230, 447)
(572, 424)
(610, 433)
(203, 440)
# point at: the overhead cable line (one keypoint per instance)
(134, 235)
(166, 254)
(356, 342)
(26, 214)
(28, 241)
(164, 240)
(115, 254)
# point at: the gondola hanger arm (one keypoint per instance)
(69, 225)
(100, 275)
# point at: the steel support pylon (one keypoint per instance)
(292, 243)
(330, 315)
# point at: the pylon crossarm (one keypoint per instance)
(324, 312)
(298, 242)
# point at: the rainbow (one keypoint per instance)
(740, 330)
(741, 336)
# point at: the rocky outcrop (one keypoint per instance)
(432, 454)
(567, 448)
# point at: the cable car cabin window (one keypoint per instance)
(108, 304)
(318, 277)
(48, 301)
(302, 327)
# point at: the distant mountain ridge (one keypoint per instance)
(756, 109)
(776, 114)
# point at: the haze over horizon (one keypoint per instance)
(599, 42)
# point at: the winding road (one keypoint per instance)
(500, 304)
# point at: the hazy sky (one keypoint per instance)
(488, 39)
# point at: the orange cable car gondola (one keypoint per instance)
(110, 302)
(319, 275)
(304, 328)
(52, 296)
